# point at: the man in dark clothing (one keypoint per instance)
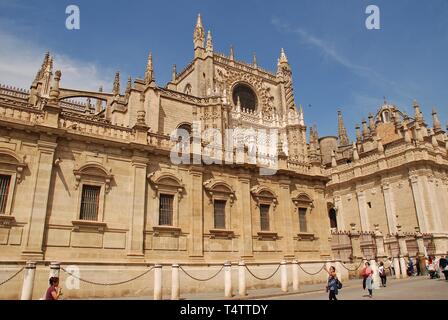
(417, 264)
(443, 263)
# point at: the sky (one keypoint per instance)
(337, 63)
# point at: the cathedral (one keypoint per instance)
(87, 177)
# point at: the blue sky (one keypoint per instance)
(337, 63)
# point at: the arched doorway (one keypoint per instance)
(333, 219)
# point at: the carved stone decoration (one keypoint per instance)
(227, 78)
(166, 181)
(218, 187)
(95, 170)
(11, 159)
(264, 194)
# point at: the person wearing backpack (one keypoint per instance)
(333, 284)
(382, 272)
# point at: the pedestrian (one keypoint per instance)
(417, 265)
(391, 267)
(333, 284)
(54, 292)
(443, 263)
(367, 274)
(410, 267)
(382, 272)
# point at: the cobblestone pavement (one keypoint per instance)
(420, 288)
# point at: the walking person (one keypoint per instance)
(417, 265)
(390, 266)
(333, 284)
(382, 272)
(443, 263)
(54, 292)
(367, 274)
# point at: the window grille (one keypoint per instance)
(90, 203)
(4, 190)
(220, 214)
(166, 210)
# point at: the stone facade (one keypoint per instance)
(54, 150)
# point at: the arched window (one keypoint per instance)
(266, 202)
(386, 116)
(304, 206)
(333, 220)
(246, 95)
(221, 196)
(92, 181)
(188, 89)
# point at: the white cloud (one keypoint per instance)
(329, 51)
(20, 60)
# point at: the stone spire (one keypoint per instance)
(209, 48)
(99, 103)
(342, 131)
(54, 92)
(254, 60)
(407, 133)
(174, 73)
(116, 86)
(355, 153)
(283, 58)
(232, 53)
(334, 163)
(418, 113)
(129, 86)
(301, 116)
(284, 74)
(149, 76)
(372, 125)
(418, 132)
(199, 34)
(365, 129)
(40, 72)
(358, 133)
(436, 122)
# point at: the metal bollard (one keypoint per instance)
(158, 282)
(242, 278)
(284, 276)
(228, 280)
(295, 275)
(175, 282)
(28, 281)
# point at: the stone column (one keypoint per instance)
(389, 203)
(196, 243)
(243, 199)
(419, 203)
(28, 281)
(396, 262)
(34, 233)
(55, 269)
(285, 210)
(295, 275)
(363, 214)
(356, 245)
(339, 213)
(284, 276)
(158, 282)
(379, 242)
(137, 214)
(242, 279)
(434, 204)
(175, 282)
(376, 275)
(403, 252)
(228, 280)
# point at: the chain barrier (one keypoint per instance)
(312, 274)
(263, 279)
(107, 284)
(201, 280)
(357, 268)
(12, 277)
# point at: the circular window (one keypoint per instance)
(248, 98)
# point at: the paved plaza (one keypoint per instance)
(420, 288)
